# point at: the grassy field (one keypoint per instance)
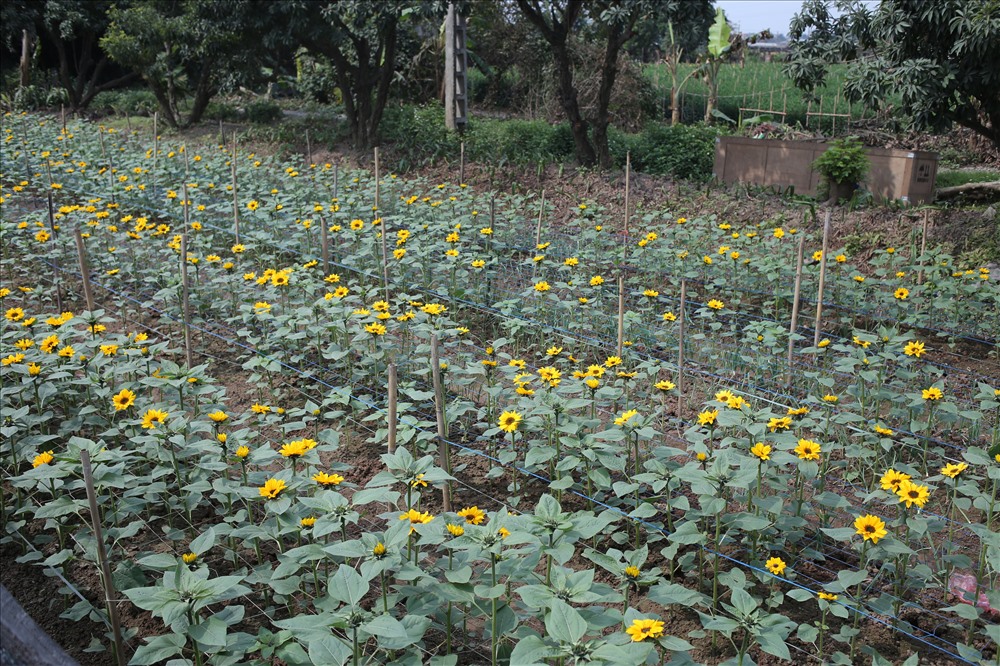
(760, 85)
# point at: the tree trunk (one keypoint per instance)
(568, 98)
(617, 36)
(675, 109)
(25, 79)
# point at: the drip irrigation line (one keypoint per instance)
(546, 481)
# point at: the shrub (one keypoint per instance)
(126, 102)
(263, 112)
(844, 162)
(681, 151)
(222, 111)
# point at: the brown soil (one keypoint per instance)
(40, 594)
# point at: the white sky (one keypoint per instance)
(756, 15)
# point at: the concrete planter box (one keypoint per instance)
(895, 175)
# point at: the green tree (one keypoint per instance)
(75, 28)
(360, 38)
(939, 57)
(186, 49)
(612, 24)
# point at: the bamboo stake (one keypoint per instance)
(538, 227)
(324, 233)
(628, 174)
(621, 314)
(185, 303)
(385, 260)
(376, 179)
(88, 295)
(444, 456)
(58, 272)
(156, 145)
(923, 247)
(793, 326)
(110, 600)
(822, 278)
(680, 348)
(236, 201)
(24, 148)
(392, 407)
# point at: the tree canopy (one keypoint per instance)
(939, 57)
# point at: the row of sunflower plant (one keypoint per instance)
(586, 422)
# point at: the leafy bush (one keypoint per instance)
(129, 101)
(263, 112)
(418, 136)
(844, 162)
(681, 151)
(222, 111)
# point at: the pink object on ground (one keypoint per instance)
(963, 586)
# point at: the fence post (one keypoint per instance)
(793, 326)
(102, 557)
(822, 278)
(88, 295)
(444, 456)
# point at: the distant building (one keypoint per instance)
(768, 50)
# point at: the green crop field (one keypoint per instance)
(760, 85)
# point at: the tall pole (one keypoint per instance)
(449, 69)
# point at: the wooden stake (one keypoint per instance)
(793, 326)
(682, 319)
(538, 227)
(385, 259)
(376, 178)
(444, 457)
(58, 272)
(110, 600)
(461, 163)
(236, 200)
(185, 303)
(493, 211)
(81, 252)
(822, 278)
(156, 144)
(309, 150)
(923, 247)
(392, 407)
(628, 174)
(324, 233)
(621, 314)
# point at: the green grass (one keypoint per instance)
(950, 178)
(760, 85)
